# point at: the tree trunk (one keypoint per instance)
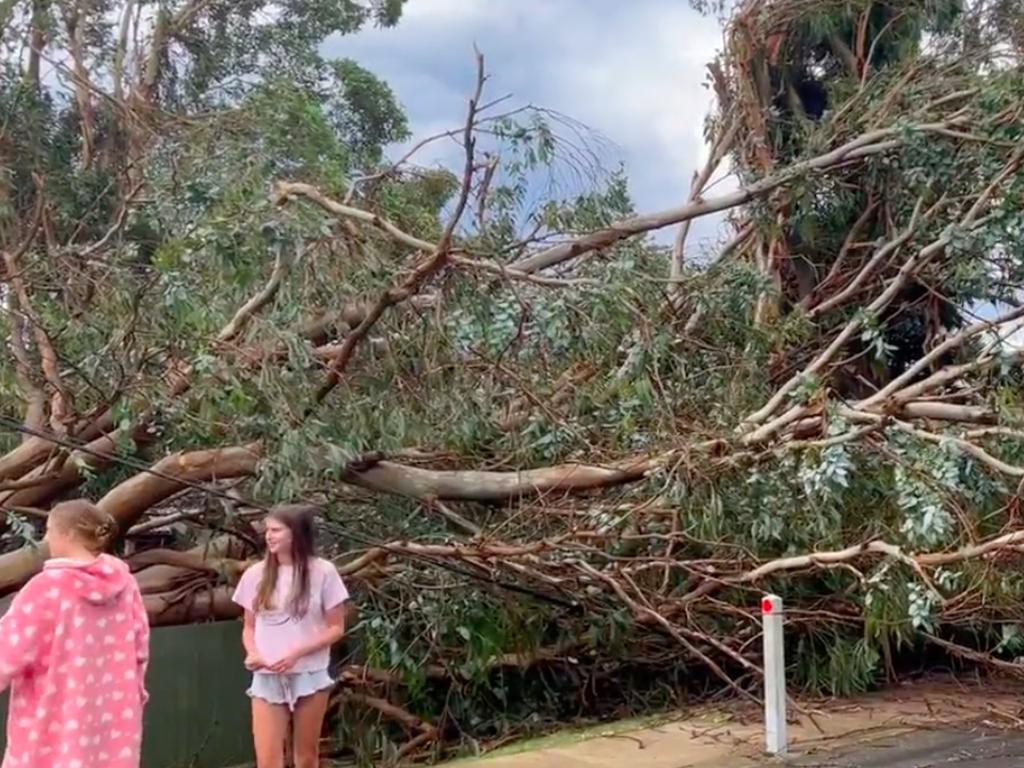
(127, 502)
(170, 609)
(69, 473)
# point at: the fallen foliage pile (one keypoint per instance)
(559, 462)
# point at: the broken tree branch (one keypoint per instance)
(869, 144)
(427, 268)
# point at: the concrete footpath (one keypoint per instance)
(913, 726)
(969, 747)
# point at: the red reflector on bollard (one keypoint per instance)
(774, 675)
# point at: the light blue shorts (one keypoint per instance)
(288, 689)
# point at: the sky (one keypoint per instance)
(633, 72)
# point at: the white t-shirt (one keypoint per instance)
(277, 631)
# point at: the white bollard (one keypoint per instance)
(774, 676)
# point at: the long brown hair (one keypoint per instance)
(298, 518)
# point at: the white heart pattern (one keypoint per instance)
(85, 709)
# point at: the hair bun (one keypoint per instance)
(106, 530)
(95, 528)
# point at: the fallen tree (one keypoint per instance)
(557, 462)
(128, 501)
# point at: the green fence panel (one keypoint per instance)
(198, 713)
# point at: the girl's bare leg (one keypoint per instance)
(309, 723)
(269, 730)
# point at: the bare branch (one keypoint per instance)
(284, 191)
(472, 485)
(869, 144)
(427, 268)
(245, 313)
(722, 146)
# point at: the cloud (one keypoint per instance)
(632, 72)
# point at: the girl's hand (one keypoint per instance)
(253, 662)
(285, 664)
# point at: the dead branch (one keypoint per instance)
(966, 446)
(94, 456)
(285, 191)
(389, 710)
(229, 569)
(471, 485)
(721, 148)
(193, 606)
(29, 482)
(955, 341)
(1013, 667)
(266, 294)
(427, 268)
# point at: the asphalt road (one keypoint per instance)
(967, 748)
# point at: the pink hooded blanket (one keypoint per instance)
(74, 646)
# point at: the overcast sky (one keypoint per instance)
(634, 72)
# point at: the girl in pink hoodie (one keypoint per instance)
(74, 646)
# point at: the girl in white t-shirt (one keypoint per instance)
(294, 613)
